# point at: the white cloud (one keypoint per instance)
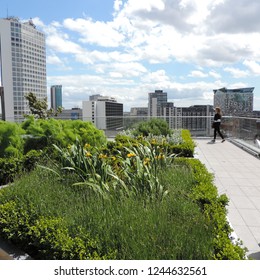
(214, 74)
(54, 59)
(253, 66)
(117, 4)
(101, 33)
(197, 74)
(236, 73)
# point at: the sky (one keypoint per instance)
(128, 48)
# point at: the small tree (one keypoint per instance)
(39, 108)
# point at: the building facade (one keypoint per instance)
(234, 101)
(23, 65)
(56, 96)
(157, 101)
(105, 112)
(139, 111)
(197, 119)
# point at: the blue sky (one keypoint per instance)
(128, 48)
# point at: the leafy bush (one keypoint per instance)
(11, 142)
(12, 168)
(9, 167)
(155, 126)
(45, 133)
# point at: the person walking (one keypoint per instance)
(216, 125)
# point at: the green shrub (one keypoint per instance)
(31, 159)
(44, 133)
(10, 168)
(11, 142)
(155, 126)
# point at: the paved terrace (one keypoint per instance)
(237, 174)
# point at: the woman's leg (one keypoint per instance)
(215, 133)
(220, 134)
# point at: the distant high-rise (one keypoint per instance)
(22, 65)
(56, 96)
(234, 101)
(157, 101)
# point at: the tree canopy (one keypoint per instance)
(39, 108)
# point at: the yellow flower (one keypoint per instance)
(69, 147)
(161, 156)
(102, 156)
(87, 146)
(131, 155)
(88, 154)
(146, 161)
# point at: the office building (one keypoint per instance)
(105, 112)
(139, 111)
(156, 103)
(234, 101)
(197, 119)
(22, 65)
(56, 97)
(159, 107)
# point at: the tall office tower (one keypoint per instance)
(22, 65)
(56, 97)
(234, 101)
(156, 103)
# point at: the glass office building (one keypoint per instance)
(234, 101)
(56, 96)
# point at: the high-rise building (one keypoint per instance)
(156, 103)
(22, 65)
(56, 96)
(105, 112)
(234, 101)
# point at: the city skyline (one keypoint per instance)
(127, 49)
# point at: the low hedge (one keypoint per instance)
(214, 208)
(186, 148)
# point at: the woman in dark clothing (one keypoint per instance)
(216, 125)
